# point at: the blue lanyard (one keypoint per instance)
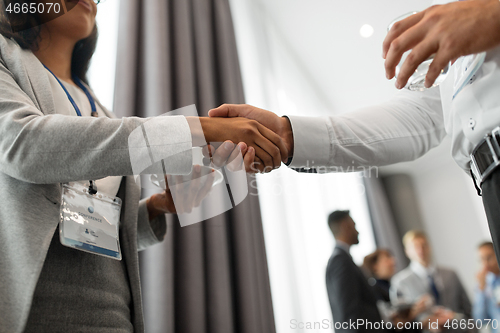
(85, 90)
(92, 187)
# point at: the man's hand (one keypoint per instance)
(420, 306)
(279, 125)
(448, 31)
(481, 278)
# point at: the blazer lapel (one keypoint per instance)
(37, 77)
(30, 73)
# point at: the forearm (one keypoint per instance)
(45, 147)
(54, 148)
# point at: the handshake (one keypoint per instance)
(264, 139)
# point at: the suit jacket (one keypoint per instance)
(39, 150)
(410, 286)
(351, 297)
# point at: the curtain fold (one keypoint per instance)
(384, 227)
(210, 276)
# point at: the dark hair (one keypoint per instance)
(371, 260)
(25, 30)
(335, 218)
(487, 243)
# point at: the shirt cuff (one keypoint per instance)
(149, 232)
(162, 145)
(311, 142)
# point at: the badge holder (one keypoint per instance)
(89, 220)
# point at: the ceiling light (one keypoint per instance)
(366, 31)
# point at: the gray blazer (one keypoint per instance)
(39, 150)
(451, 291)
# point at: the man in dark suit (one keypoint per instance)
(351, 297)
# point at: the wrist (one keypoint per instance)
(201, 130)
(286, 134)
(153, 212)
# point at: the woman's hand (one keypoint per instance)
(183, 196)
(190, 194)
(239, 157)
(269, 146)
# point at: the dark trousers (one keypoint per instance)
(491, 201)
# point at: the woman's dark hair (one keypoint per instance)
(371, 260)
(25, 30)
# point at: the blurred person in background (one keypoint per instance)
(487, 296)
(351, 298)
(381, 267)
(423, 277)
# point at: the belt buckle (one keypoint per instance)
(492, 140)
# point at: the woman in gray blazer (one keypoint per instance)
(44, 286)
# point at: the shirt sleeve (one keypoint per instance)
(402, 129)
(480, 307)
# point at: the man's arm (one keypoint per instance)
(344, 298)
(400, 130)
(465, 304)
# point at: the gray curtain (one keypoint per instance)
(210, 276)
(385, 229)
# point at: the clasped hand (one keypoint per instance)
(263, 132)
(269, 128)
(265, 140)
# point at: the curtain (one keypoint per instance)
(210, 276)
(384, 227)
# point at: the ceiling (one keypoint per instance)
(324, 37)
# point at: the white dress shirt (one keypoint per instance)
(343, 245)
(425, 272)
(407, 126)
